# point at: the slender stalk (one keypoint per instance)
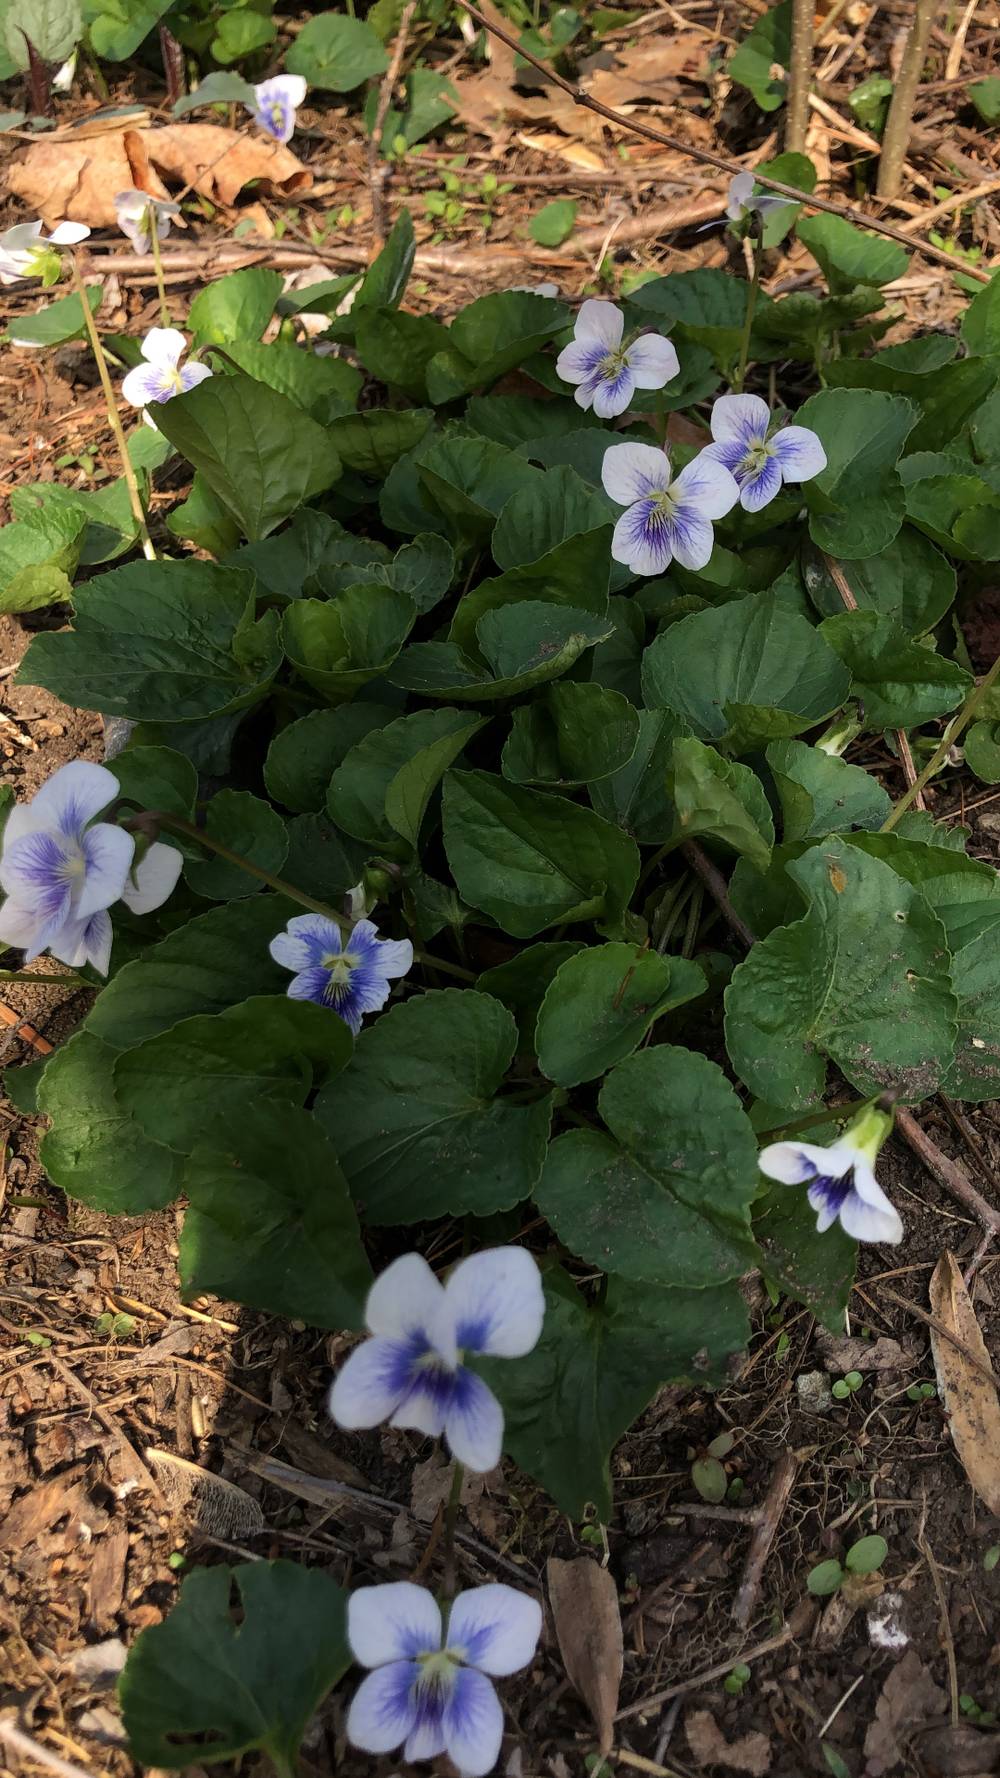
(896, 137)
(154, 242)
(829, 1114)
(49, 981)
(159, 818)
(450, 1522)
(799, 76)
(955, 728)
(754, 287)
(111, 403)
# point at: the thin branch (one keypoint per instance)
(37, 1752)
(946, 1171)
(378, 168)
(896, 136)
(799, 76)
(765, 1532)
(722, 162)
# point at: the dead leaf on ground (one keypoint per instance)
(961, 1751)
(970, 1399)
(908, 1698)
(855, 1591)
(78, 181)
(883, 1354)
(709, 1747)
(575, 154)
(221, 1508)
(588, 1626)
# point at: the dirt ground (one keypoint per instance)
(133, 1448)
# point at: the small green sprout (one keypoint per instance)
(735, 1682)
(845, 1386)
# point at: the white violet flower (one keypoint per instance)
(137, 211)
(841, 1179)
(430, 1684)
(277, 102)
(411, 1371)
(743, 202)
(162, 376)
(62, 869)
(761, 464)
(26, 253)
(608, 373)
(666, 518)
(352, 977)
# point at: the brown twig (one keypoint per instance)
(946, 1333)
(722, 162)
(378, 166)
(896, 135)
(765, 1532)
(946, 1635)
(719, 1671)
(799, 76)
(946, 1171)
(715, 883)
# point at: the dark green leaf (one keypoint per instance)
(909, 580)
(848, 256)
(600, 1005)
(523, 644)
(326, 388)
(57, 323)
(857, 503)
(555, 505)
(719, 799)
(381, 788)
(817, 1270)
(901, 683)
(635, 798)
(94, 1151)
(373, 441)
(302, 759)
(336, 53)
(247, 825)
(553, 223)
(237, 307)
(769, 44)
(216, 88)
(521, 983)
(572, 733)
(821, 794)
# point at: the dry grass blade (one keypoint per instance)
(584, 1601)
(221, 1508)
(970, 1399)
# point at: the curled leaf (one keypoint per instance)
(969, 1396)
(584, 1601)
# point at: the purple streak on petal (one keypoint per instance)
(653, 361)
(707, 485)
(691, 536)
(758, 487)
(373, 1381)
(34, 871)
(741, 418)
(631, 472)
(495, 1628)
(310, 984)
(739, 195)
(306, 940)
(642, 539)
(383, 1709)
(146, 383)
(473, 1424)
(580, 360)
(727, 451)
(193, 374)
(827, 1194)
(473, 1724)
(799, 452)
(497, 1301)
(613, 394)
(73, 796)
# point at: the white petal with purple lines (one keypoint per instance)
(496, 1302)
(393, 1622)
(799, 453)
(633, 471)
(495, 1628)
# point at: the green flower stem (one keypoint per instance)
(176, 823)
(49, 981)
(111, 403)
(450, 1522)
(154, 242)
(741, 368)
(836, 1113)
(956, 727)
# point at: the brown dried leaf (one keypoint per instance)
(221, 1508)
(575, 154)
(748, 1753)
(883, 1354)
(961, 1751)
(908, 1697)
(584, 1601)
(970, 1399)
(78, 181)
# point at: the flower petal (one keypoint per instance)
(427, 1739)
(424, 1408)
(739, 195)
(192, 375)
(799, 452)
(393, 1622)
(742, 418)
(18, 924)
(108, 851)
(634, 471)
(405, 1299)
(708, 486)
(642, 539)
(33, 871)
(290, 88)
(370, 1384)
(868, 1221)
(613, 394)
(793, 1163)
(164, 347)
(727, 451)
(580, 360)
(653, 361)
(395, 957)
(73, 796)
(69, 234)
(601, 322)
(473, 1423)
(305, 941)
(148, 382)
(494, 1628)
(23, 235)
(84, 941)
(691, 537)
(311, 984)
(154, 878)
(766, 202)
(473, 1724)
(760, 487)
(383, 1709)
(496, 1302)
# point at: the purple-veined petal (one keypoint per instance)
(641, 539)
(154, 879)
(393, 1622)
(580, 360)
(108, 851)
(383, 1709)
(148, 382)
(742, 418)
(793, 1163)
(707, 486)
(370, 1384)
(827, 1200)
(739, 195)
(473, 1724)
(601, 322)
(68, 234)
(473, 1423)
(496, 1302)
(164, 347)
(691, 537)
(290, 88)
(73, 796)
(405, 1300)
(632, 472)
(34, 871)
(613, 394)
(767, 202)
(395, 957)
(84, 941)
(799, 453)
(494, 1628)
(727, 451)
(759, 487)
(426, 1739)
(192, 375)
(425, 1407)
(306, 940)
(653, 361)
(311, 984)
(18, 925)
(868, 1221)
